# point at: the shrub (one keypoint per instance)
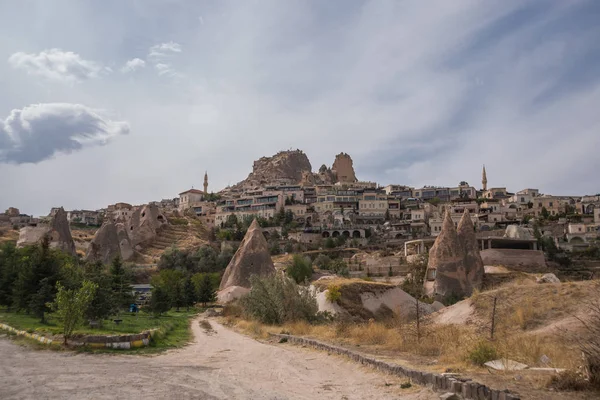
(568, 381)
(277, 299)
(340, 267)
(300, 269)
(333, 293)
(322, 261)
(589, 342)
(483, 352)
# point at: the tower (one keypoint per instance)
(484, 179)
(205, 182)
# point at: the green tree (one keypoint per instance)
(545, 214)
(172, 282)
(40, 301)
(206, 260)
(206, 291)
(300, 268)
(70, 305)
(288, 217)
(387, 215)
(329, 243)
(120, 284)
(190, 293)
(339, 267)
(102, 304)
(9, 272)
(160, 301)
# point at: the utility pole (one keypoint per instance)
(493, 318)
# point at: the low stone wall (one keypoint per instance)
(118, 341)
(96, 341)
(33, 336)
(468, 390)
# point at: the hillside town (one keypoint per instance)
(334, 203)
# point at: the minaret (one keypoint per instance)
(205, 182)
(484, 179)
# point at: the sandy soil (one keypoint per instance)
(219, 364)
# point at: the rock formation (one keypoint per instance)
(473, 264)
(122, 236)
(110, 241)
(343, 169)
(293, 167)
(448, 257)
(286, 167)
(251, 258)
(57, 229)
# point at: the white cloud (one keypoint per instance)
(133, 65)
(39, 131)
(56, 64)
(164, 49)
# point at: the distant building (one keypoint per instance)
(189, 197)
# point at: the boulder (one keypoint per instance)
(251, 258)
(548, 278)
(446, 257)
(231, 293)
(473, 264)
(58, 231)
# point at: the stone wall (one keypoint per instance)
(521, 260)
(437, 382)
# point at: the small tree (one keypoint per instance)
(40, 301)
(120, 284)
(545, 214)
(300, 269)
(160, 302)
(71, 304)
(329, 243)
(190, 293)
(322, 261)
(206, 291)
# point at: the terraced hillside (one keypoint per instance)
(182, 233)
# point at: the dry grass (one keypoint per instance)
(7, 234)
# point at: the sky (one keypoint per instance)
(133, 100)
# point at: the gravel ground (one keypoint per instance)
(219, 364)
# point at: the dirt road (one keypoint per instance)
(218, 365)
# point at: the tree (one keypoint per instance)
(545, 214)
(288, 217)
(9, 272)
(160, 302)
(190, 293)
(71, 304)
(329, 243)
(206, 291)
(415, 279)
(121, 284)
(387, 215)
(300, 268)
(39, 303)
(339, 267)
(102, 304)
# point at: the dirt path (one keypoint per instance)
(220, 364)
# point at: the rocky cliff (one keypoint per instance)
(293, 167)
(285, 167)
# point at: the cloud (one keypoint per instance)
(164, 49)
(58, 65)
(39, 131)
(133, 65)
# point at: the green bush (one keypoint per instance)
(300, 268)
(333, 293)
(322, 261)
(483, 352)
(277, 299)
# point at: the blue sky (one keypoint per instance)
(132, 100)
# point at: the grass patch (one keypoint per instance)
(174, 328)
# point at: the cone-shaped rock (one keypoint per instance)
(110, 241)
(473, 263)
(251, 258)
(446, 257)
(57, 230)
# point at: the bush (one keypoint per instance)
(322, 261)
(570, 381)
(340, 267)
(334, 294)
(300, 269)
(483, 352)
(589, 342)
(277, 299)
